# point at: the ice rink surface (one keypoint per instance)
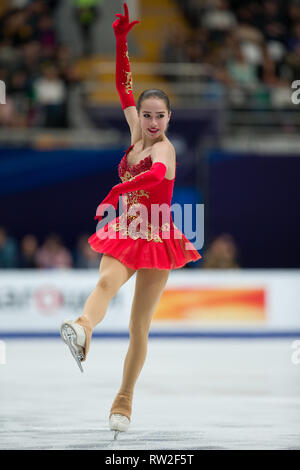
(191, 394)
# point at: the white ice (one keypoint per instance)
(191, 394)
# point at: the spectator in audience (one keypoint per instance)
(86, 14)
(292, 61)
(8, 250)
(8, 115)
(219, 20)
(15, 27)
(221, 254)
(294, 40)
(53, 254)
(19, 91)
(36, 10)
(28, 252)
(84, 256)
(31, 59)
(174, 48)
(293, 12)
(271, 21)
(46, 36)
(241, 76)
(51, 98)
(9, 55)
(242, 72)
(64, 59)
(193, 11)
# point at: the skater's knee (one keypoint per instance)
(138, 330)
(107, 285)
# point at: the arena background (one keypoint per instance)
(230, 69)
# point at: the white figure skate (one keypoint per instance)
(73, 335)
(118, 423)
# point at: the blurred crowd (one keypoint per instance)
(222, 253)
(252, 47)
(51, 254)
(36, 68)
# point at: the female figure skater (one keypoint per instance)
(147, 171)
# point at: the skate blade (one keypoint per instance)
(69, 337)
(116, 435)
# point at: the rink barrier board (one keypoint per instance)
(164, 334)
(194, 301)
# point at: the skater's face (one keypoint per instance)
(154, 117)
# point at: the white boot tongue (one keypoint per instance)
(80, 332)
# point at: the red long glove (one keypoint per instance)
(121, 28)
(146, 179)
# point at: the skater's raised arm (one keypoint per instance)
(121, 27)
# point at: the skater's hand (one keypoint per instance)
(111, 199)
(121, 25)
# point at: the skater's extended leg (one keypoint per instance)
(113, 274)
(149, 287)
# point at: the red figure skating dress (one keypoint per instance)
(144, 244)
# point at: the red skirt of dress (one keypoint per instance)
(150, 251)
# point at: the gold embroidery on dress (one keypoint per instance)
(150, 234)
(142, 192)
(133, 199)
(126, 176)
(141, 173)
